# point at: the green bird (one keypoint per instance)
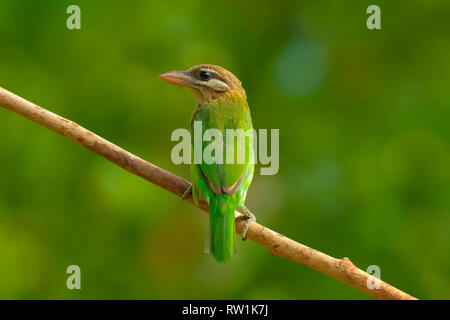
(221, 105)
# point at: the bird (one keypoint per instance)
(221, 104)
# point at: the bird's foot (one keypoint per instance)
(186, 193)
(248, 216)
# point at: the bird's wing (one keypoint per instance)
(226, 177)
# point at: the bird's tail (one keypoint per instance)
(221, 228)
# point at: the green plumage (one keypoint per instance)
(214, 182)
(223, 184)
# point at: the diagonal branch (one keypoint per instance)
(278, 245)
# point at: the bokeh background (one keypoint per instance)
(364, 146)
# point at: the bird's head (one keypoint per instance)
(208, 82)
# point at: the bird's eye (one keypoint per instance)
(204, 75)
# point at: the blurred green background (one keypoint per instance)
(364, 146)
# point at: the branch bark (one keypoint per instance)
(278, 245)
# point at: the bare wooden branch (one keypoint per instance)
(279, 245)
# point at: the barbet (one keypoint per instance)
(221, 105)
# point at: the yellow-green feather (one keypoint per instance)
(230, 113)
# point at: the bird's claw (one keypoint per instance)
(186, 193)
(249, 217)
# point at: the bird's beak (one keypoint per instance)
(179, 78)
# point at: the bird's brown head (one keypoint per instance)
(208, 82)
